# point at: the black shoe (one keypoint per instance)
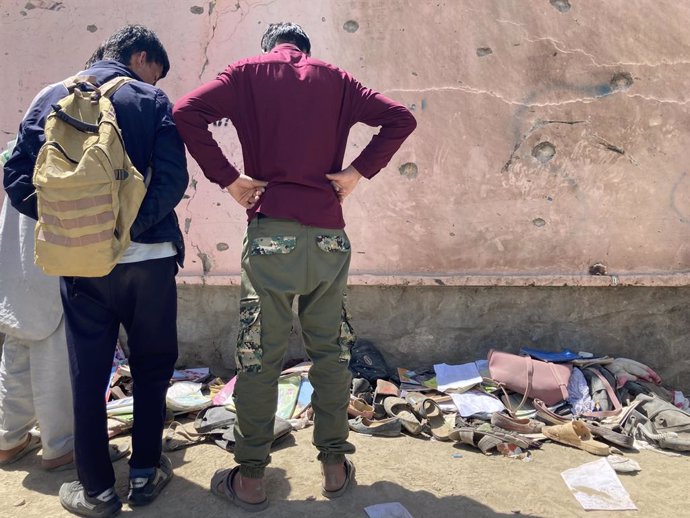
(73, 497)
(143, 491)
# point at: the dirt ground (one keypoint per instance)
(431, 479)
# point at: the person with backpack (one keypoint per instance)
(135, 136)
(292, 114)
(34, 387)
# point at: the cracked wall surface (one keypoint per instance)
(552, 134)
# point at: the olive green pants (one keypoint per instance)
(282, 259)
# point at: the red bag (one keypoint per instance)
(533, 378)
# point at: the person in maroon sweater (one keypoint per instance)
(293, 114)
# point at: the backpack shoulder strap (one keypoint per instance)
(112, 86)
(71, 82)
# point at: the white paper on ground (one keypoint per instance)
(597, 487)
(388, 510)
(459, 377)
(475, 401)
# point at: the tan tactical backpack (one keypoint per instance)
(88, 191)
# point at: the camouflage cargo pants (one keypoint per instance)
(281, 260)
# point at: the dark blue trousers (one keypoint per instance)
(143, 298)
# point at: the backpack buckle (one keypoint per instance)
(121, 174)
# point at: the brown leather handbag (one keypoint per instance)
(532, 378)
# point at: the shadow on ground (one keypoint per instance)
(189, 499)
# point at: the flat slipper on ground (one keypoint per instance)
(521, 425)
(221, 485)
(608, 435)
(623, 464)
(486, 440)
(33, 444)
(390, 427)
(576, 434)
(547, 415)
(384, 389)
(401, 408)
(429, 410)
(349, 480)
(357, 406)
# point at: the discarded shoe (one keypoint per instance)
(400, 408)
(547, 415)
(429, 410)
(383, 390)
(390, 427)
(607, 434)
(576, 434)
(514, 424)
(359, 407)
(143, 491)
(33, 444)
(73, 497)
(349, 480)
(623, 464)
(221, 485)
(486, 439)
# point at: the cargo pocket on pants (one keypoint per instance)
(347, 336)
(249, 354)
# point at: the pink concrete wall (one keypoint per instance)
(552, 134)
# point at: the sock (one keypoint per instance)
(140, 476)
(103, 496)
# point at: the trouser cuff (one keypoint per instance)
(331, 458)
(252, 471)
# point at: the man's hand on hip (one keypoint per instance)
(246, 191)
(344, 182)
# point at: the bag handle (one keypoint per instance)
(530, 376)
(73, 81)
(561, 384)
(77, 124)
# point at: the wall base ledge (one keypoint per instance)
(363, 279)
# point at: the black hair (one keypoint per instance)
(285, 32)
(96, 56)
(130, 40)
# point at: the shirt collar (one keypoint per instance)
(286, 46)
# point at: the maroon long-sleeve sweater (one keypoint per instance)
(293, 115)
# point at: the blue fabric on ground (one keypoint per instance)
(565, 355)
(578, 393)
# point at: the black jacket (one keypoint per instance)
(151, 139)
